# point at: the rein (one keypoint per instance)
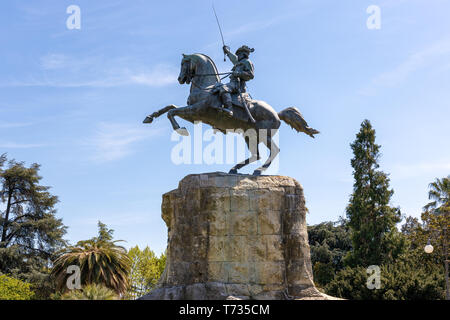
(212, 74)
(227, 74)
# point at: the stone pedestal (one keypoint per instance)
(236, 235)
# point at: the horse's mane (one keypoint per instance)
(211, 61)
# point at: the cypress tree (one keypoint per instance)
(372, 221)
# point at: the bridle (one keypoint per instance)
(191, 75)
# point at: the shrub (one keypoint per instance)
(91, 292)
(14, 289)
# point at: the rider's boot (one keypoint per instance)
(227, 104)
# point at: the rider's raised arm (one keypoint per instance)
(233, 58)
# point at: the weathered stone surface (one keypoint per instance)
(236, 236)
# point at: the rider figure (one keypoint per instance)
(243, 71)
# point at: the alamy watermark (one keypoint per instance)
(210, 147)
(374, 280)
(74, 20)
(74, 280)
(374, 20)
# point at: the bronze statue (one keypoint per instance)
(205, 104)
(243, 71)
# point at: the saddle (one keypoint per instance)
(237, 100)
(239, 108)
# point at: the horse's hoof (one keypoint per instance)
(233, 171)
(148, 119)
(257, 172)
(182, 131)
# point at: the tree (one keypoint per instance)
(100, 259)
(411, 227)
(418, 233)
(146, 269)
(104, 234)
(14, 289)
(372, 221)
(437, 220)
(329, 243)
(29, 230)
(91, 292)
(404, 279)
(440, 194)
(414, 275)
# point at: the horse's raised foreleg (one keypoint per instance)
(184, 112)
(150, 118)
(274, 150)
(253, 148)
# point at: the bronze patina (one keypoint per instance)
(228, 106)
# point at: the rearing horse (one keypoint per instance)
(205, 106)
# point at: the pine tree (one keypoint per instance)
(29, 231)
(372, 221)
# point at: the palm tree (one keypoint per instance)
(91, 292)
(101, 261)
(440, 194)
(440, 207)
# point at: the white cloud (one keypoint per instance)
(413, 63)
(59, 70)
(159, 76)
(254, 26)
(54, 61)
(14, 125)
(436, 168)
(114, 141)
(13, 145)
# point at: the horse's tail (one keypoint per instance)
(294, 118)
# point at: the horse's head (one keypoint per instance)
(187, 71)
(200, 68)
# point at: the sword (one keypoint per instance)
(220, 29)
(245, 103)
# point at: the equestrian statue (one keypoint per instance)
(228, 107)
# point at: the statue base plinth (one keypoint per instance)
(236, 236)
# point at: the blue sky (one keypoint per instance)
(74, 100)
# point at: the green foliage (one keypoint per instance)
(14, 289)
(436, 216)
(418, 234)
(407, 272)
(405, 279)
(375, 239)
(100, 259)
(146, 269)
(30, 233)
(414, 275)
(440, 194)
(329, 243)
(433, 229)
(162, 263)
(104, 234)
(91, 292)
